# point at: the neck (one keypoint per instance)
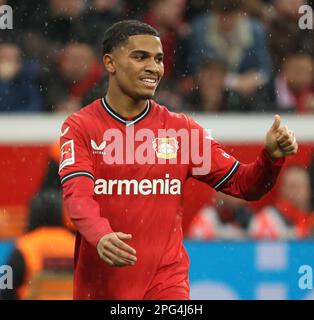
(124, 105)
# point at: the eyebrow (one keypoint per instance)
(146, 53)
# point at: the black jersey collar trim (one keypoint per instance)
(115, 115)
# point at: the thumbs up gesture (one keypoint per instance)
(280, 141)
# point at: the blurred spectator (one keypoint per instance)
(167, 17)
(98, 16)
(63, 21)
(191, 31)
(292, 89)
(210, 94)
(228, 218)
(136, 9)
(285, 36)
(76, 75)
(46, 242)
(46, 26)
(228, 34)
(19, 88)
(288, 217)
(259, 9)
(194, 8)
(51, 180)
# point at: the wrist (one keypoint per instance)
(267, 156)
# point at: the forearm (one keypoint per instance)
(83, 210)
(252, 181)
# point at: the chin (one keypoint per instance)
(146, 95)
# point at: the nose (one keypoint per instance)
(152, 66)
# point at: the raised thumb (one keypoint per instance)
(276, 123)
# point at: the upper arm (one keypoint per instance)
(75, 155)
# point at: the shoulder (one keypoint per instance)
(174, 117)
(84, 116)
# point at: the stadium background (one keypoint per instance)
(233, 268)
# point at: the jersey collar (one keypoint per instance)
(115, 115)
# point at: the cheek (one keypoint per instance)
(123, 75)
(161, 70)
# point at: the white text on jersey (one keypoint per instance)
(143, 187)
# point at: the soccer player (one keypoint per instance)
(127, 213)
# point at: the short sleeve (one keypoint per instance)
(75, 158)
(217, 166)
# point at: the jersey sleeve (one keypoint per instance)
(224, 173)
(75, 157)
(217, 166)
(78, 193)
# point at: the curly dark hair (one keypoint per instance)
(122, 30)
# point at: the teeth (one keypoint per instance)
(149, 80)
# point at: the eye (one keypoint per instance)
(139, 57)
(159, 59)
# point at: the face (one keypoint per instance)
(104, 5)
(136, 67)
(295, 187)
(289, 7)
(170, 12)
(227, 22)
(76, 61)
(10, 61)
(298, 71)
(69, 8)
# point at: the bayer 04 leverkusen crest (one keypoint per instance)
(166, 148)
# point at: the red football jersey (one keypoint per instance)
(142, 199)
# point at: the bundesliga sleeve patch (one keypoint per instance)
(67, 154)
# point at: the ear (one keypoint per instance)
(109, 63)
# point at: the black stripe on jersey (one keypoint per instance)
(227, 177)
(76, 174)
(120, 118)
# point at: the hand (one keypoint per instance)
(116, 252)
(280, 141)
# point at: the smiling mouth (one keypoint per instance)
(151, 83)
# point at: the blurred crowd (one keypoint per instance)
(289, 217)
(220, 55)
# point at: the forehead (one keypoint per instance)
(147, 43)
